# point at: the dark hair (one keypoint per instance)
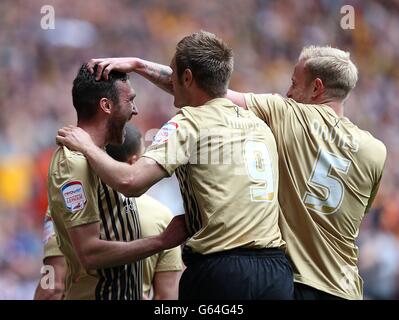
(209, 59)
(129, 147)
(87, 91)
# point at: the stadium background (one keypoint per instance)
(37, 68)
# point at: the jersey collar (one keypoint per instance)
(220, 101)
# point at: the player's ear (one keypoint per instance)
(318, 87)
(106, 105)
(187, 78)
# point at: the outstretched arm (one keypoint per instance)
(131, 180)
(158, 74)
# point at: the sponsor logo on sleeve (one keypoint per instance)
(74, 196)
(164, 133)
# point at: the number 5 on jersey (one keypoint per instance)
(260, 170)
(330, 185)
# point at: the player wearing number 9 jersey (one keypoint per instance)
(227, 167)
(330, 171)
(225, 159)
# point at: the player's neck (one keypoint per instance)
(338, 108)
(199, 98)
(336, 105)
(96, 130)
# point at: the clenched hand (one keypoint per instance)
(176, 232)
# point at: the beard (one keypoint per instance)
(116, 130)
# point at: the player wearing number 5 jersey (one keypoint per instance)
(225, 159)
(330, 171)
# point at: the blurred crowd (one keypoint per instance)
(37, 68)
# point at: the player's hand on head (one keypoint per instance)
(176, 232)
(106, 65)
(74, 138)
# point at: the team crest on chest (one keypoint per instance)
(74, 196)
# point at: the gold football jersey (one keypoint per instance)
(226, 162)
(329, 174)
(77, 197)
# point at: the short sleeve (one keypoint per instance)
(381, 165)
(169, 260)
(74, 192)
(271, 108)
(175, 143)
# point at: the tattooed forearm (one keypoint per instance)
(158, 74)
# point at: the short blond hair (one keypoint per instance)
(333, 66)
